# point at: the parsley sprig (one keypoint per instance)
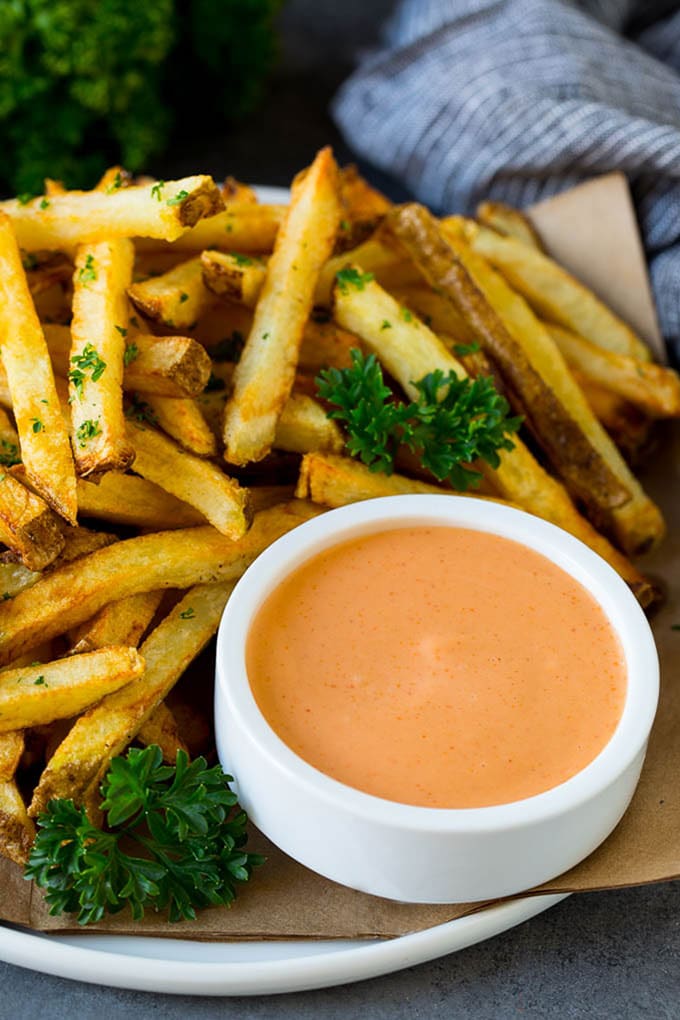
(183, 820)
(451, 423)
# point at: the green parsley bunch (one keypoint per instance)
(174, 841)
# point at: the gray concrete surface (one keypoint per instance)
(603, 955)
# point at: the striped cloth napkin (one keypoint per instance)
(519, 99)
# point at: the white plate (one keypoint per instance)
(182, 967)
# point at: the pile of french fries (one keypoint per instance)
(159, 425)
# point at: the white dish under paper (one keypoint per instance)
(182, 967)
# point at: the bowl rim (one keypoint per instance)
(391, 512)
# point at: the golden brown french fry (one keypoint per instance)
(409, 350)
(134, 502)
(11, 749)
(510, 222)
(27, 525)
(81, 541)
(45, 448)
(118, 623)
(325, 345)
(304, 427)
(235, 191)
(653, 388)
(588, 473)
(234, 276)
(163, 210)
(637, 523)
(14, 577)
(36, 695)
(9, 441)
(45, 269)
(376, 256)
(17, 831)
(107, 729)
(554, 293)
(100, 322)
(243, 226)
(334, 481)
(168, 559)
(171, 366)
(183, 420)
(437, 313)
(177, 298)
(265, 374)
(631, 430)
(364, 208)
(195, 481)
(161, 728)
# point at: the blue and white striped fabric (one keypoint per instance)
(520, 99)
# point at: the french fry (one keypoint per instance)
(100, 321)
(183, 420)
(237, 277)
(9, 440)
(11, 749)
(364, 208)
(554, 293)
(653, 388)
(27, 525)
(168, 559)
(45, 269)
(134, 502)
(436, 312)
(234, 191)
(334, 481)
(161, 728)
(118, 623)
(36, 695)
(177, 298)
(265, 374)
(637, 523)
(79, 542)
(510, 222)
(242, 226)
(376, 256)
(164, 210)
(304, 427)
(45, 448)
(14, 577)
(170, 366)
(17, 831)
(325, 345)
(107, 729)
(195, 481)
(602, 482)
(631, 430)
(409, 350)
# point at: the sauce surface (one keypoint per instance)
(437, 666)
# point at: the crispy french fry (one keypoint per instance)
(409, 350)
(17, 831)
(325, 345)
(177, 298)
(554, 293)
(170, 366)
(168, 559)
(163, 210)
(107, 729)
(510, 222)
(9, 440)
(195, 481)
(14, 577)
(265, 374)
(631, 430)
(80, 542)
(234, 191)
(45, 448)
(183, 420)
(243, 226)
(27, 525)
(440, 315)
(304, 427)
(234, 276)
(134, 502)
(45, 269)
(376, 256)
(11, 749)
(334, 481)
(100, 321)
(118, 623)
(161, 728)
(637, 523)
(35, 695)
(653, 388)
(364, 208)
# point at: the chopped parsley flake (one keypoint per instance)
(44, 203)
(86, 431)
(115, 184)
(460, 350)
(40, 681)
(9, 453)
(241, 260)
(37, 426)
(88, 360)
(6, 596)
(25, 198)
(386, 324)
(131, 352)
(407, 315)
(178, 198)
(183, 297)
(123, 332)
(187, 614)
(87, 273)
(351, 277)
(156, 189)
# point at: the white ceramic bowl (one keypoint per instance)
(418, 854)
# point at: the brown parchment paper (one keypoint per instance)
(592, 230)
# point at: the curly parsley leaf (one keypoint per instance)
(184, 820)
(451, 423)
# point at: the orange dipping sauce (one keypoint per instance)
(437, 666)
